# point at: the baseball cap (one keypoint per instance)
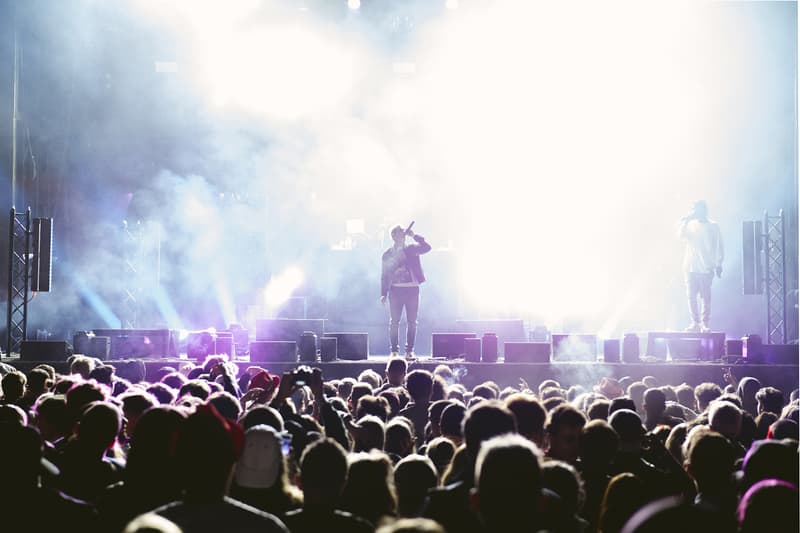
(260, 462)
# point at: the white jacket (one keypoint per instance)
(704, 251)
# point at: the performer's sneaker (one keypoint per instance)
(410, 356)
(704, 328)
(693, 328)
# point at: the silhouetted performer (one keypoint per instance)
(401, 276)
(702, 258)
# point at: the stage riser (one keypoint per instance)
(783, 377)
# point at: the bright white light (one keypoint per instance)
(451, 4)
(281, 287)
(354, 4)
(355, 226)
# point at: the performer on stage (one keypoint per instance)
(702, 259)
(401, 276)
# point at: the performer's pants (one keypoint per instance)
(400, 297)
(699, 284)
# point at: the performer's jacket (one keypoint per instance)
(394, 263)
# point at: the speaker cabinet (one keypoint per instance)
(351, 346)
(42, 264)
(44, 351)
(611, 351)
(449, 345)
(527, 352)
(273, 352)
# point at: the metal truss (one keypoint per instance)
(19, 259)
(775, 245)
(132, 273)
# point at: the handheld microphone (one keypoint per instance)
(410, 226)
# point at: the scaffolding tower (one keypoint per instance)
(19, 259)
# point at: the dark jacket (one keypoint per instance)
(412, 253)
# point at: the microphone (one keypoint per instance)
(410, 226)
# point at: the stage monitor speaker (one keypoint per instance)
(273, 352)
(328, 349)
(733, 347)
(42, 262)
(527, 352)
(574, 347)
(140, 343)
(472, 350)
(752, 269)
(351, 346)
(100, 347)
(449, 345)
(780, 354)
(44, 351)
(224, 344)
(611, 351)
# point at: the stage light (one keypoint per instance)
(166, 308)
(451, 4)
(354, 4)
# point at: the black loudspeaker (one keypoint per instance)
(100, 347)
(472, 350)
(149, 343)
(611, 351)
(733, 347)
(273, 352)
(752, 274)
(225, 344)
(42, 263)
(328, 348)
(527, 352)
(781, 354)
(449, 345)
(351, 346)
(44, 351)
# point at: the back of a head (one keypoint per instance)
(623, 402)
(323, 472)
(564, 480)
(685, 395)
(529, 414)
(623, 497)
(636, 392)
(373, 405)
(419, 384)
(39, 381)
(725, 418)
(672, 514)
(370, 377)
(508, 482)
(452, 420)
(369, 490)
(99, 425)
(414, 475)
(711, 460)
(411, 525)
(25, 446)
(488, 419)
(207, 448)
(654, 401)
(598, 444)
(705, 393)
(628, 426)
(441, 450)
(262, 414)
(770, 399)
(372, 434)
(152, 443)
(770, 459)
(783, 429)
(226, 404)
(399, 438)
(769, 505)
(151, 523)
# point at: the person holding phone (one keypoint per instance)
(401, 276)
(701, 260)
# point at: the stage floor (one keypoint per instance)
(783, 377)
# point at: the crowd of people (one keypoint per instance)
(216, 448)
